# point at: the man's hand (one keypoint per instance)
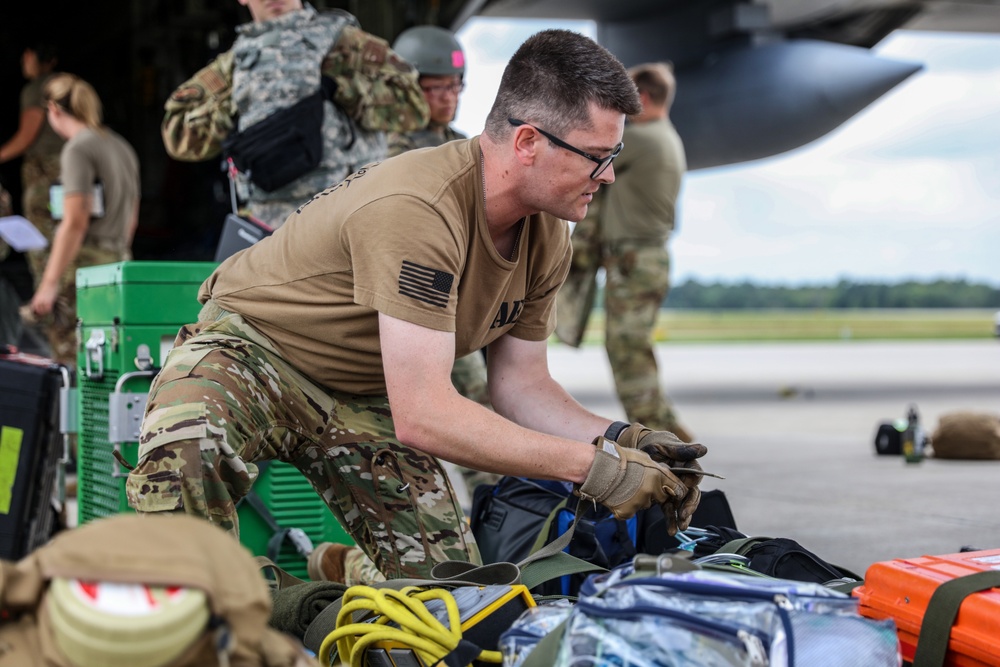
(663, 446)
(628, 480)
(666, 448)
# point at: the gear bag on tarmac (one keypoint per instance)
(140, 591)
(517, 516)
(666, 610)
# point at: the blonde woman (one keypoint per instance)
(99, 202)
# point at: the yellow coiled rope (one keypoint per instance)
(417, 628)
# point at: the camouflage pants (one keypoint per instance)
(37, 175)
(575, 299)
(225, 399)
(638, 279)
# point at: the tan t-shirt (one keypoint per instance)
(406, 237)
(640, 205)
(91, 157)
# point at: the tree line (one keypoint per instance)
(693, 294)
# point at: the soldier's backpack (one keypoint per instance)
(967, 435)
(778, 557)
(138, 591)
(517, 516)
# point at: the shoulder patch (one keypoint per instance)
(425, 284)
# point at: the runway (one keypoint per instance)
(791, 426)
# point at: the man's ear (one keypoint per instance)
(525, 141)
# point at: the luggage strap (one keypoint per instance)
(547, 563)
(935, 630)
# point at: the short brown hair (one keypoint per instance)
(552, 79)
(656, 80)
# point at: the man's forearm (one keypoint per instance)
(546, 406)
(465, 433)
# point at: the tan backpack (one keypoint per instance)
(967, 435)
(229, 599)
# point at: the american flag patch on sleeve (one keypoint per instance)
(425, 284)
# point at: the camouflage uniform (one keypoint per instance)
(60, 324)
(469, 372)
(276, 63)
(389, 496)
(430, 136)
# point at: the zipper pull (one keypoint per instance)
(754, 647)
(783, 602)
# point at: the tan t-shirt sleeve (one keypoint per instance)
(406, 261)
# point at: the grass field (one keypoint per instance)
(772, 325)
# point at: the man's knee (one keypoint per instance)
(177, 477)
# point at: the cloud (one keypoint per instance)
(907, 189)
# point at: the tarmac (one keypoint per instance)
(792, 427)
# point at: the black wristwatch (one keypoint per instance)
(615, 430)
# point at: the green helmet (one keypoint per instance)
(433, 51)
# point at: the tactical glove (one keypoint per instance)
(663, 446)
(628, 480)
(666, 448)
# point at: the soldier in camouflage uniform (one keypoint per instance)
(440, 61)
(329, 345)
(93, 153)
(276, 61)
(627, 235)
(40, 146)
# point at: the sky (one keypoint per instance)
(908, 189)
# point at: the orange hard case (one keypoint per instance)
(900, 589)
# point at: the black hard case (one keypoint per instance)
(239, 233)
(30, 451)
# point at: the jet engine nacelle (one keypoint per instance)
(754, 102)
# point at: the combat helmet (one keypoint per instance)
(434, 51)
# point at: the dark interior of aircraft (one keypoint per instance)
(135, 52)
(754, 78)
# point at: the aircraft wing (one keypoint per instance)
(754, 79)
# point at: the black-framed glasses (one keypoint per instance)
(602, 162)
(442, 88)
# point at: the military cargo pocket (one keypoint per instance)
(421, 516)
(156, 491)
(181, 361)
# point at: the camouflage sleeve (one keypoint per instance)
(376, 87)
(399, 142)
(199, 114)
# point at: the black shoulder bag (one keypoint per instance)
(285, 145)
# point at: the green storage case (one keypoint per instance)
(128, 316)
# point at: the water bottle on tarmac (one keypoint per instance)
(913, 437)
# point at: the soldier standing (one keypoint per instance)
(279, 59)
(39, 146)
(627, 234)
(100, 206)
